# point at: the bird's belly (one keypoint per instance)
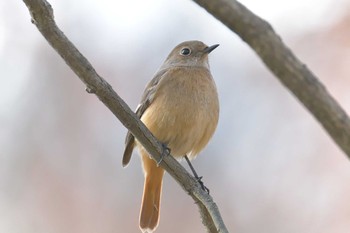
(184, 127)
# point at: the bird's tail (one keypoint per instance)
(149, 215)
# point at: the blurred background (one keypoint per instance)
(270, 166)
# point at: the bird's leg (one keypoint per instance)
(165, 152)
(198, 178)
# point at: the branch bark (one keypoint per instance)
(285, 65)
(42, 16)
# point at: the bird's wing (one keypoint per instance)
(146, 100)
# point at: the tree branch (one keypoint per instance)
(42, 16)
(285, 65)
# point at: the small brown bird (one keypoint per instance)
(180, 107)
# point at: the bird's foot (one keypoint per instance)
(165, 152)
(198, 178)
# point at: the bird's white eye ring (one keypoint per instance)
(185, 51)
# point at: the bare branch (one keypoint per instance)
(285, 65)
(42, 16)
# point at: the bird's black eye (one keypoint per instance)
(185, 51)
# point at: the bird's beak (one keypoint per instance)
(211, 48)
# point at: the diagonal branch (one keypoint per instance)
(42, 17)
(285, 65)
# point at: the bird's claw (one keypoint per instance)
(199, 179)
(165, 152)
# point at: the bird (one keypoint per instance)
(180, 107)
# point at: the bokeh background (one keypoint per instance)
(270, 166)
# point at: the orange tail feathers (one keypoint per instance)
(149, 215)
